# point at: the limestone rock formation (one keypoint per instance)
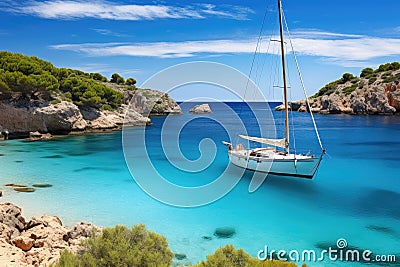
(152, 102)
(377, 98)
(65, 117)
(39, 241)
(201, 109)
(62, 118)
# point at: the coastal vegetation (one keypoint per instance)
(384, 73)
(120, 247)
(45, 241)
(374, 91)
(229, 256)
(24, 77)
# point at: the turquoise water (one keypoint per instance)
(355, 194)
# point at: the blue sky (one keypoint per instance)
(140, 38)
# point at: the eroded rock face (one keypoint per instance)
(11, 221)
(63, 118)
(152, 102)
(201, 109)
(382, 100)
(39, 241)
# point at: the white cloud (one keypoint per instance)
(345, 51)
(162, 49)
(109, 33)
(235, 12)
(355, 49)
(78, 9)
(316, 33)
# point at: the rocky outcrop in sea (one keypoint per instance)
(372, 94)
(38, 241)
(201, 109)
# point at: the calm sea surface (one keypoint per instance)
(355, 194)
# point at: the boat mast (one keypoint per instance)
(284, 77)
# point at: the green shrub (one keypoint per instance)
(346, 78)
(389, 79)
(98, 77)
(327, 89)
(350, 89)
(130, 81)
(121, 247)
(106, 107)
(367, 71)
(68, 259)
(388, 66)
(116, 78)
(228, 256)
(371, 80)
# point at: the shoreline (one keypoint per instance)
(39, 240)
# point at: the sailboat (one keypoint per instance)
(277, 158)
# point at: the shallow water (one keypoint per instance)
(355, 194)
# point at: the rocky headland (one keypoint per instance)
(374, 92)
(39, 240)
(66, 117)
(38, 98)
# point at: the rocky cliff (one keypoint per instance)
(66, 117)
(374, 92)
(62, 118)
(38, 241)
(152, 102)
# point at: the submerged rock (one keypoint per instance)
(180, 256)
(42, 185)
(224, 232)
(16, 185)
(381, 229)
(24, 189)
(201, 109)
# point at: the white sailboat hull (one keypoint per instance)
(284, 165)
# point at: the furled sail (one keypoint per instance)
(272, 142)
